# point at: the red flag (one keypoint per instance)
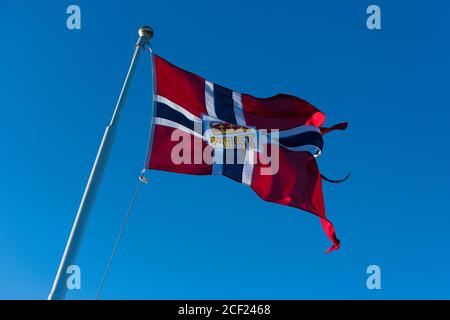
(211, 122)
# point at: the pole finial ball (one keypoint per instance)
(146, 32)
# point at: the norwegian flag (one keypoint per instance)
(186, 104)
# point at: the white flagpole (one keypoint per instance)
(59, 288)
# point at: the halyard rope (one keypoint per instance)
(142, 180)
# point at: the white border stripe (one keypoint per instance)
(298, 130)
(247, 172)
(177, 107)
(175, 125)
(307, 147)
(238, 110)
(209, 99)
(217, 161)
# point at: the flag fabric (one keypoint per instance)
(217, 124)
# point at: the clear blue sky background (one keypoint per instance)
(58, 89)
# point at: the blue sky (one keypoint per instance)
(58, 90)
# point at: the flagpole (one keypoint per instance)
(59, 288)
